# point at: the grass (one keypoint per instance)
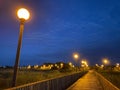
(5, 78)
(112, 76)
(27, 76)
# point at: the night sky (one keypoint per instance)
(58, 28)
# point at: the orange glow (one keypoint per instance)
(105, 61)
(70, 63)
(82, 61)
(76, 55)
(23, 14)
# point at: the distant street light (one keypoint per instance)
(84, 62)
(105, 61)
(117, 64)
(102, 66)
(23, 15)
(61, 65)
(76, 56)
(70, 64)
(96, 65)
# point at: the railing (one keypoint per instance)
(59, 83)
(105, 83)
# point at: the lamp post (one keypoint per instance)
(76, 58)
(106, 63)
(23, 15)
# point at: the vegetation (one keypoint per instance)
(28, 76)
(112, 76)
(111, 73)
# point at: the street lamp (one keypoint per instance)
(105, 61)
(76, 56)
(84, 62)
(23, 15)
(70, 64)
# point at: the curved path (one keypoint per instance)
(87, 82)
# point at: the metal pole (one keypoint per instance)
(18, 53)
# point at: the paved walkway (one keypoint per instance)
(87, 82)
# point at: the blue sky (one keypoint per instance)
(58, 28)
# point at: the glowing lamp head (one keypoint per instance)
(76, 55)
(23, 14)
(106, 61)
(82, 61)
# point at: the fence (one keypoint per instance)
(60, 83)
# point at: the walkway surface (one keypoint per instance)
(87, 82)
